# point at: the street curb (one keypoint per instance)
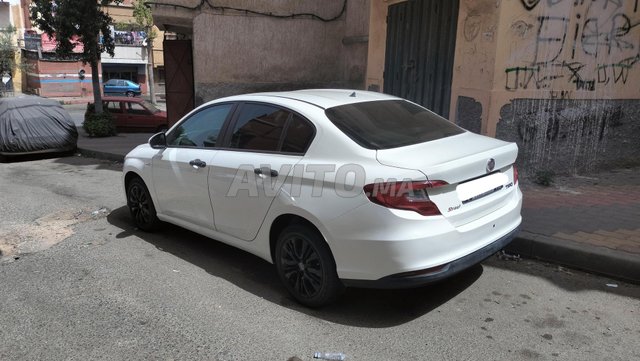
(90, 153)
(616, 264)
(74, 101)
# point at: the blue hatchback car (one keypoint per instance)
(121, 87)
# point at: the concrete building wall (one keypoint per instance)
(235, 52)
(377, 43)
(57, 78)
(355, 43)
(558, 77)
(475, 63)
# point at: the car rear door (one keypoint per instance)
(180, 171)
(121, 87)
(262, 146)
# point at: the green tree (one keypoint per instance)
(7, 50)
(83, 21)
(144, 18)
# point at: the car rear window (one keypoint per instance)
(259, 127)
(390, 123)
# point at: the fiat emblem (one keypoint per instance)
(491, 163)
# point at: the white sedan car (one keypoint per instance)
(336, 187)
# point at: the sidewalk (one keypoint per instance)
(110, 148)
(589, 223)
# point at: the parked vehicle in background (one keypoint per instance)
(135, 114)
(336, 187)
(31, 124)
(121, 87)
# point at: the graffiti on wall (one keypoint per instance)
(541, 76)
(588, 44)
(568, 135)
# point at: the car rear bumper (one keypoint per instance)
(373, 243)
(434, 274)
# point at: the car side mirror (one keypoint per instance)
(158, 141)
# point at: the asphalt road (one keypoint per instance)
(77, 112)
(78, 282)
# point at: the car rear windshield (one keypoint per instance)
(390, 123)
(152, 108)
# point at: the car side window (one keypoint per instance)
(298, 135)
(121, 83)
(200, 129)
(111, 82)
(113, 107)
(259, 127)
(135, 108)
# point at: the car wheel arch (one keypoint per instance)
(282, 222)
(130, 176)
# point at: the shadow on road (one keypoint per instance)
(568, 279)
(358, 307)
(34, 157)
(76, 160)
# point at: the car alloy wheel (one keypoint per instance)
(306, 266)
(130, 94)
(141, 206)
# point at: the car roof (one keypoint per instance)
(323, 98)
(125, 80)
(122, 99)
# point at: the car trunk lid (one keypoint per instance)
(478, 170)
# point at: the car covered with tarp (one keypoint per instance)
(31, 124)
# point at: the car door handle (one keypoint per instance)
(272, 173)
(197, 163)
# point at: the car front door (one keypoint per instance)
(115, 108)
(180, 171)
(256, 161)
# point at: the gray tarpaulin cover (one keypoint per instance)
(35, 124)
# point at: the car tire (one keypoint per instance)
(130, 94)
(306, 266)
(141, 206)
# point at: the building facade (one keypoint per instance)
(558, 77)
(131, 58)
(11, 25)
(44, 73)
(49, 75)
(248, 46)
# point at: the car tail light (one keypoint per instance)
(405, 195)
(515, 175)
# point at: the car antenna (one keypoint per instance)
(353, 95)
